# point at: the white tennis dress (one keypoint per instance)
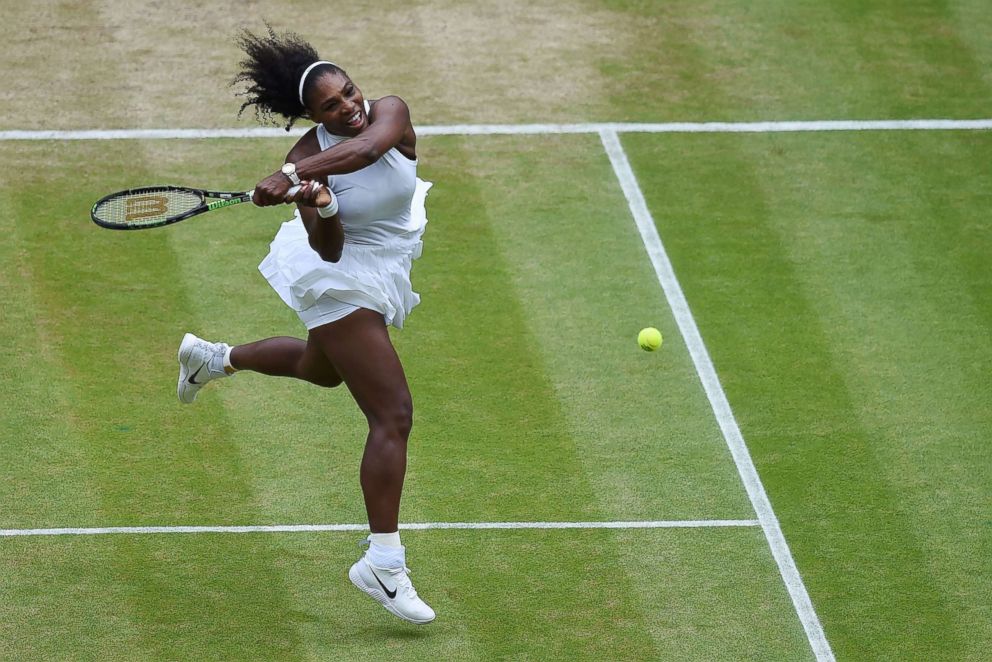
(381, 208)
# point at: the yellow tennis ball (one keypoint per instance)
(649, 339)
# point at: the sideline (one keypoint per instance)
(718, 399)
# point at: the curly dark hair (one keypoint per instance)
(272, 71)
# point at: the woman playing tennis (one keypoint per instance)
(343, 264)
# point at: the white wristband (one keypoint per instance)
(330, 209)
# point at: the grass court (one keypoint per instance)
(840, 281)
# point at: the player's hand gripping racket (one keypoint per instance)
(155, 206)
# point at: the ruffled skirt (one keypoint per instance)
(373, 276)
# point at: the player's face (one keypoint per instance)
(338, 104)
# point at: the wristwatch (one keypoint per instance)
(289, 169)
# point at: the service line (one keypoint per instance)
(717, 398)
(413, 526)
(526, 129)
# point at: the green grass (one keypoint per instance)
(536, 407)
(506, 594)
(841, 282)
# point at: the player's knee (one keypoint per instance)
(394, 421)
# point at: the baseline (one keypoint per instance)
(717, 398)
(413, 526)
(526, 129)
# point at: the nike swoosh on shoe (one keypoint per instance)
(192, 378)
(390, 594)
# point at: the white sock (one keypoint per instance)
(385, 550)
(228, 368)
(388, 539)
(216, 364)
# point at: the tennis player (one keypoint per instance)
(343, 264)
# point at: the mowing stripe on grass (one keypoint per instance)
(527, 129)
(718, 399)
(414, 526)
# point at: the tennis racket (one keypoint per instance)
(155, 206)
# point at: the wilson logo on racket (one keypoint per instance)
(145, 207)
(223, 203)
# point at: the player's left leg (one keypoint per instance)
(287, 357)
(201, 361)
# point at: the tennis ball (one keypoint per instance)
(649, 339)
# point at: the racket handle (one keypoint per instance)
(292, 191)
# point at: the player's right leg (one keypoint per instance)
(360, 349)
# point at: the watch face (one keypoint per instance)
(288, 168)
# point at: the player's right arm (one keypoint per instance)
(326, 235)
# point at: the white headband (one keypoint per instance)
(306, 71)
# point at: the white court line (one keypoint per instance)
(303, 528)
(526, 129)
(718, 399)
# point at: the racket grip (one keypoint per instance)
(292, 191)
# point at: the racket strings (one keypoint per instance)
(147, 207)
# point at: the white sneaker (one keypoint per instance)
(392, 588)
(199, 362)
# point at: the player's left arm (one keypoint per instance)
(389, 126)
